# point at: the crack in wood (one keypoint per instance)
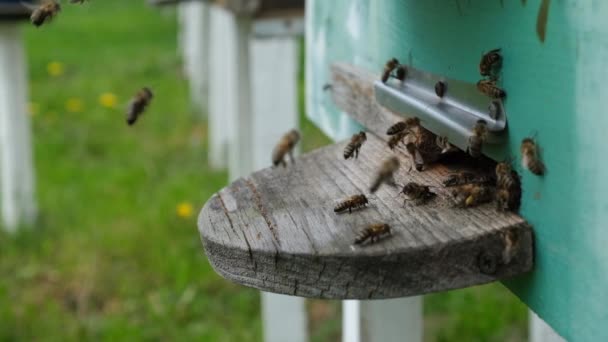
(262, 210)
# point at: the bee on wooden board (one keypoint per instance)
(440, 88)
(426, 144)
(353, 147)
(490, 62)
(351, 203)
(138, 105)
(471, 195)
(402, 126)
(44, 12)
(390, 65)
(418, 193)
(373, 233)
(530, 158)
(489, 88)
(285, 147)
(467, 177)
(394, 140)
(476, 140)
(385, 173)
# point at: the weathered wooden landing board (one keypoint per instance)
(276, 231)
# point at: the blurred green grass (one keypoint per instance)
(110, 259)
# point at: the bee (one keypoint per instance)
(440, 88)
(385, 173)
(530, 157)
(373, 232)
(444, 144)
(45, 12)
(480, 133)
(426, 143)
(396, 139)
(502, 199)
(418, 193)
(471, 195)
(466, 177)
(508, 195)
(402, 126)
(506, 178)
(285, 146)
(353, 202)
(356, 141)
(489, 88)
(416, 156)
(490, 62)
(401, 73)
(138, 104)
(390, 65)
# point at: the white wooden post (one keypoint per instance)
(16, 166)
(274, 71)
(540, 331)
(193, 39)
(223, 79)
(398, 320)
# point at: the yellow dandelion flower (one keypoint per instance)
(108, 100)
(33, 108)
(74, 105)
(185, 210)
(55, 69)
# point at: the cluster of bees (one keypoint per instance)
(46, 11)
(487, 182)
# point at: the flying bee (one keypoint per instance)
(480, 133)
(352, 148)
(396, 139)
(490, 62)
(466, 177)
(285, 147)
(373, 233)
(418, 193)
(385, 173)
(489, 88)
(138, 105)
(401, 73)
(44, 12)
(440, 88)
(390, 65)
(530, 157)
(353, 202)
(402, 126)
(471, 195)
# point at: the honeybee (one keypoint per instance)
(352, 148)
(285, 146)
(45, 12)
(403, 126)
(418, 193)
(396, 139)
(385, 173)
(353, 202)
(502, 199)
(508, 195)
(440, 88)
(444, 144)
(466, 177)
(530, 157)
(138, 104)
(390, 65)
(470, 195)
(505, 177)
(426, 143)
(416, 156)
(489, 88)
(401, 73)
(373, 233)
(480, 133)
(490, 62)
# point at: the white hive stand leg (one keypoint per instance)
(274, 68)
(222, 88)
(16, 166)
(398, 320)
(540, 331)
(194, 41)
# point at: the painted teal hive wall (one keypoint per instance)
(556, 89)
